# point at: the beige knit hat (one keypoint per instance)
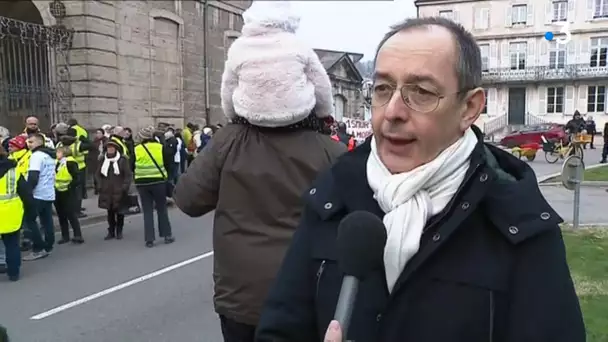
(146, 133)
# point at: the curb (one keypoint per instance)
(542, 179)
(589, 184)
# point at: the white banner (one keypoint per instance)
(360, 129)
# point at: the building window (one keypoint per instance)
(555, 100)
(600, 9)
(517, 52)
(557, 56)
(485, 56)
(596, 99)
(482, 19)
(560, 10)
(447, 14)
(599, 49)
(485, 106)
(519, 14)
(215, 17)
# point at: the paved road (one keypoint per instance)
(173, 306)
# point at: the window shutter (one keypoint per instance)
(590, 8)
(542, 100)
(455, 17)
(494, 55)
(569, 102)
(492, 102)
(585, 53)
(531, 57)
(548, 13)
(508, 18)
(571, 10)
(504, 47)
(544, 53)
(485, 16)
(582, 99)
(477, 18)
(571, 58)
(530, 10)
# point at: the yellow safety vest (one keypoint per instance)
(144, 166)
(22, 157)
(79, 157)
(11, 206)
(81, 132)
(125, 151)
(63, 178)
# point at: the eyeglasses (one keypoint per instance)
(415, 97)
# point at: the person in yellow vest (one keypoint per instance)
(66, 187)
(67, 137)
(15, 196)
(82, 135)
(17, 148)
(188, 135)
(151, 182)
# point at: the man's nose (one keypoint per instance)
(396, 109)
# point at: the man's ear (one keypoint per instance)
(475, 101)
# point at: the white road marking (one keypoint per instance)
(119, 287)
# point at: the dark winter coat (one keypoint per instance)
(113, 188)
(491, 266)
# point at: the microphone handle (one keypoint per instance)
(346, 302)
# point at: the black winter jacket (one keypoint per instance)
(491, 266)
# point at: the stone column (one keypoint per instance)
(93, 61)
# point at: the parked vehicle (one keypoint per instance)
(533, 134)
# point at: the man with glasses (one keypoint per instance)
(474, 252)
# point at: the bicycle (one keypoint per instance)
(555, 151)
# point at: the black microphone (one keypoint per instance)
(360, 243)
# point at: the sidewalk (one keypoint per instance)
(594, 202)
(94, 214)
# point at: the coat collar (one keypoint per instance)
(506, 182)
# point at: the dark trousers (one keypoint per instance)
(81, 186)
(154, 196)
(116, 222)
(44, 211)
(236, 332)
(67, 213)
(13, 253)
(605, 151)
(174, 172)
(83, 183)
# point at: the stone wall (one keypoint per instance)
(136, 63)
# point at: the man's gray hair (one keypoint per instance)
(468, 63)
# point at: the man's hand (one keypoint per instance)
(333, 333)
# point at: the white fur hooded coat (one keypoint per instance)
(270, 78)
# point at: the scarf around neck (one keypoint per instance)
(106, 164)
(410, 198)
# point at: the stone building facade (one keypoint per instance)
(130, 63)
(346, 81)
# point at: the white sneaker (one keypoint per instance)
(36, 255)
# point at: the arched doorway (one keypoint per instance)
(34, 73)
(339, 106)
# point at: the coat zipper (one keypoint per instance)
(491, 316)
(319, 275)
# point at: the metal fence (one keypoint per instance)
(34, 73)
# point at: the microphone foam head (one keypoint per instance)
(360, 243)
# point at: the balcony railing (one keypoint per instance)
(545, 73)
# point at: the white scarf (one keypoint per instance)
(106, 164)
(409, 199)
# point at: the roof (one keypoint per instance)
(330, 57)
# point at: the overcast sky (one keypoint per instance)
(354, 26)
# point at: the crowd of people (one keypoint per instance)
(42, 173)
